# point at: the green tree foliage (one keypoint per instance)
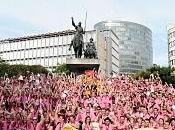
(14, 70)
(38, 69)
(142, 74)
(63, 68)
(165, 73)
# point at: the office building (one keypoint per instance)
(135, 51)
(171, 45)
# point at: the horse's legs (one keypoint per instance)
(93, 55)
(85, 54)
(79, 52)
(76, 52)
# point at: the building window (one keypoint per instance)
(171, 62)
(53, 41)
(47, 41)
(38, 52)
(27, 44)
(39, 43)
(55, 51)
(34, 53)
(51, 51)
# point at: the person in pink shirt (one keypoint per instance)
(122, 124)
(131, 121)
(152, 123)
(87, 124)
(160, 124)
(172, 123)
(59, 122)
(107, 124)
(31, 124)
(137, 123)
(40, 125)
(145, 123)
(96, 113)
(167, 126)
(71, 121)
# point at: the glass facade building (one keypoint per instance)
(171, 45)
(135, 46)
(52, 49)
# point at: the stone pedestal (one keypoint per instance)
(78, 65)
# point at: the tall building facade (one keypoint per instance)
(52, 49)
(135, 51)
(171, 45)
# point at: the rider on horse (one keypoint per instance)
(77, 42)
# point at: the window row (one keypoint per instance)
(129, 70)
(131, 66)
(52, 41)
(37, 53)
(62, 40)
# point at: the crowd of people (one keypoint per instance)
(85, 102)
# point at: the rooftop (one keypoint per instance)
(46, 35)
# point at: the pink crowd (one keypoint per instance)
(97, 102)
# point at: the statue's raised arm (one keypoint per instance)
(73, 23)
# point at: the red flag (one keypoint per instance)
(89, 72)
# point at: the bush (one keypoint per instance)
(14, 70)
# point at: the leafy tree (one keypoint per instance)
(142, 74)
(164, 73)
(14, 70)
(38, 69)
(62, 68)
(23, 69)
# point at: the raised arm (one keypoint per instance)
(73, 24)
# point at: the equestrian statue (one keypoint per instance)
(77, 42)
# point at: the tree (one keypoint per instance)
(62, 68)
(38, 69)
(164, 73)
(142, 74)
(14, 70)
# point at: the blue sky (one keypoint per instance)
(28, 17)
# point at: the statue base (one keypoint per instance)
(78, 65)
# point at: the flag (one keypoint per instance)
(89, 72)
